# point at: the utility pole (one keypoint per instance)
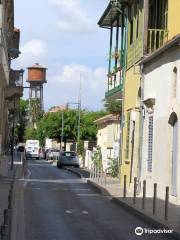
(62, 128)
(79, 112)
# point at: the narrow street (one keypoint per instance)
(59, 205)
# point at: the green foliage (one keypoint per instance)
(113, 106)
(35, 110)
(22, 121)
(50, 125)
(31, 133)
(113, 169)
(88, 127)
(97, 158)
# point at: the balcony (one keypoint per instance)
(13, 48)
(156, 39)
(15, 89)
(4, 58)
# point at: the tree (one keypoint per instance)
(22, 121)
(50, 125)
(113, 106)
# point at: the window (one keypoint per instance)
(150, 144)
(128, 134)
(131, 15)
(137, 18)
(174, 82)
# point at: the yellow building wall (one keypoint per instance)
(131, 101)
(173, 18)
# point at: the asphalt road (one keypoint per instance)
(60, 206)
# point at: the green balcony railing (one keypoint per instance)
(156, 38)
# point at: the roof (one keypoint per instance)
(37, 65)
(111, 12)
(107, 118)
(174, 41)
(56, 109)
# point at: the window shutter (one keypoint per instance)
(150, 144)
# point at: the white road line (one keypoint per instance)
(68, 212)
(85, 212)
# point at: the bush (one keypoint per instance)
(113, 169)
(97, 158)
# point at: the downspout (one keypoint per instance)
(142, 115)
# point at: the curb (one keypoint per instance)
(149, 219)
(99, 188)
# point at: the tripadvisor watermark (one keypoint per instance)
(139, 231)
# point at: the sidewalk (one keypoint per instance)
(111, 187)
(6, 187)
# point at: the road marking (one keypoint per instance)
(28, 176)
(85, 212)
(88, 194)
(68, 212)
(55, 180)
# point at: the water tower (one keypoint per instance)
(36, 79)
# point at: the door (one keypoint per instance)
(174, 159)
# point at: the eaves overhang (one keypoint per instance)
(173, 42)
(113, 10)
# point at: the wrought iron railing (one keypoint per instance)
(16, 77)
(156, 38)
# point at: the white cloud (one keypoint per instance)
(64, 85)
(31, 52)
(72, 17)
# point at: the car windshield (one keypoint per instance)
(69, 154)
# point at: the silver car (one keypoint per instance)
(68, 158)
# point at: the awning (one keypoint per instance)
(111, 13)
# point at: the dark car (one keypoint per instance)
(68, 158)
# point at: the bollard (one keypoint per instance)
(154, 198)
(144, 194)
(124, 193)
(95, 173)
(91, 173)
(101, 176)
(166, 204)
(105, 178)
(135, 190)
(98, 174)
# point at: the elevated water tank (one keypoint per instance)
(37, 74)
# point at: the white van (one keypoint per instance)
(32, 149)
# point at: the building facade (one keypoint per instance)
(108, 138)
(145, 25)
(11, 81)
(161, 130)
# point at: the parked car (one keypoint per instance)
(52, 154)
(68, 158)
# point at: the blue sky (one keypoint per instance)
(64, 36)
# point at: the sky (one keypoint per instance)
(63, 35)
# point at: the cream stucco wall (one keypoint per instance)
(109, 144)
(158, 84)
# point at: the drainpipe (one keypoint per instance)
(142, 115)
